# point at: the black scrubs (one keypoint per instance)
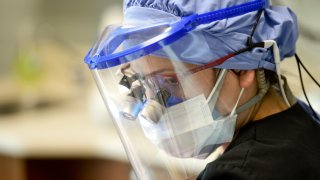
(281, 146)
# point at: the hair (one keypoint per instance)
(271, 77)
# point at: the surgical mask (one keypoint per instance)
(188, 129)
(183, 139)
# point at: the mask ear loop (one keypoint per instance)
(213, 96)
(234, 110)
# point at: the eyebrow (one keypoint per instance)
(159, 71)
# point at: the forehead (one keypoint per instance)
(153, 64)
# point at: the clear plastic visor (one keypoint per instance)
(121, 44)
(168, 115)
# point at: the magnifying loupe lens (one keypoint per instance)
(152, 111)
(131, 108)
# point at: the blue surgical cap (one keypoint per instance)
(222, 37)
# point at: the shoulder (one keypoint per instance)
(284, 146)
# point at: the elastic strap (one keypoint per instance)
(214, 94)
(235, 106)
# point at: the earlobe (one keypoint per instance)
(246, 78)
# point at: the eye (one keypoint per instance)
(171, 81)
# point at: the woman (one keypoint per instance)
(188, 81)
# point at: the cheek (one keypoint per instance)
(200, 83)
(228, 95)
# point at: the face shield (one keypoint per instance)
(170, 114)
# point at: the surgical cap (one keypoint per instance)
(277, 23)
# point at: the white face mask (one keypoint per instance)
(188, 129)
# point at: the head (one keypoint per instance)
(215, 40)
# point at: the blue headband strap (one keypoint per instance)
(232, 11)
(102, 61)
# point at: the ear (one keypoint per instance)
(246, 78)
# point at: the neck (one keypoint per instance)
(272, 103)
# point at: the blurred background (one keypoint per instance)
(53, 124)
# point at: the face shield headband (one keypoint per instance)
(106, 53)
